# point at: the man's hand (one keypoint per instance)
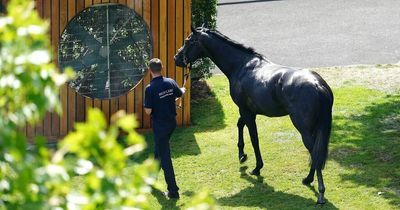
(183, 89)
(147, 110)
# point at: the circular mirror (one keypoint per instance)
(108, 47)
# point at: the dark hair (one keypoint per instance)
(155, 65)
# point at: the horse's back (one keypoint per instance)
(304, 92)
(255, 89)
(274, 90)
(302, 84)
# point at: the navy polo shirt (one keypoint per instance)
(160, 96)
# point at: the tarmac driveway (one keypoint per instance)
(315, 33)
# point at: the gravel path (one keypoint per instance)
(380, 77)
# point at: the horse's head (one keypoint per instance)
(192, 48)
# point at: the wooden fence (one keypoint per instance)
(169, 22)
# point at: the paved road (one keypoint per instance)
(315, 33)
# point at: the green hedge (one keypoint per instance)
(203, 11)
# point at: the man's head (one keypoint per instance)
(155, 66)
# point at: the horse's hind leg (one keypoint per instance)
(310, 177)
(240, 126)
(321, 187)
(308, 141)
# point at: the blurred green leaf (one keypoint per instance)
(32, 176)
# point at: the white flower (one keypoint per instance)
(76, 199)
(4, 185)
(100, 174)
(20, 60)
(56, 170)
(32, 29)
(23, 31)
(5, 20)
(84, 166)
(34, 188)
(39, 57)
(44, 74)
(35, 29)
(59, 79)
(10, 81)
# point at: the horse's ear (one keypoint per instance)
(205, 25)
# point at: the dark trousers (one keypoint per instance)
(162, 132)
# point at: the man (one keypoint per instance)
(159, 102)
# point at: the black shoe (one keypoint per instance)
(172, 195)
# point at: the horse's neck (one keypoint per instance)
(227, 57)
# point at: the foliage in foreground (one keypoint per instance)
(38, 178)
(34, 177)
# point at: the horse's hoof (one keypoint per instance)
(321, 200)
(243, 158)
(255, 172)
(307, 181)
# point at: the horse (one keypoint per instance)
(260, 87)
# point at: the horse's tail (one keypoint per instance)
(322, 129)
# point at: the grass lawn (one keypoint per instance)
(362, 172)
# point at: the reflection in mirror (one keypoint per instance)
(108, 47)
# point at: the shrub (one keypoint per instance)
(203, 12)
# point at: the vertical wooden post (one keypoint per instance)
(63, 10)
(178, 44)
(55, 31)
(187, 26)
(43, 7)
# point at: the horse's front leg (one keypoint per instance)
(251, 125)
(240, 126)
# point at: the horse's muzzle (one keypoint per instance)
(179, 61)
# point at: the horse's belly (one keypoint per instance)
(273, 111)
(265, 107)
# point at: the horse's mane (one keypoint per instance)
(235, 44)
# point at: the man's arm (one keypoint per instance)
(148, 110)
(148, 102)
(183, 90)
(178, 92)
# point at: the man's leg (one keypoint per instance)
(156, 155)
(162, 134)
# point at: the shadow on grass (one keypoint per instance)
(270, 198)
(206, 114)
(165, 203)
(369, 144)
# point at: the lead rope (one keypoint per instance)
(185, 79)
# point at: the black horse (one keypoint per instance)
(258, 86)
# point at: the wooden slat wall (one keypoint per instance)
(169, 22)
(138, 92)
